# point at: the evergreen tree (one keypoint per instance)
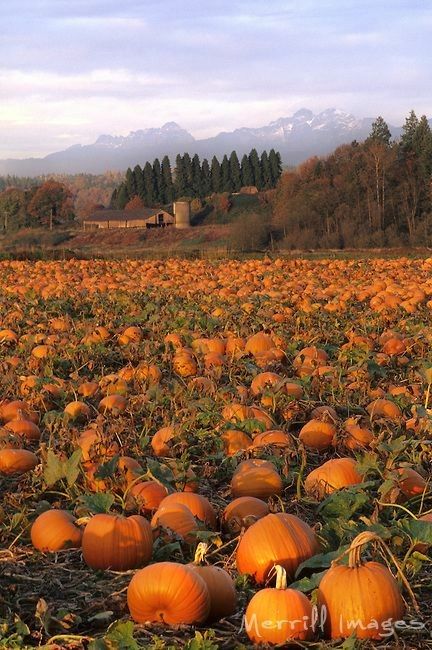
(197, 181)
(226, 182)
(380, 132)
(122, 197)
(180, 177)
(275, 163)
(246, 172)
(266, 171)
(157, 179)
(113, 200)
(139, 181)
(215, 175)
(187, 170)
(206, 178)
(149, 185)
(235, 172)
(130, 183)
(256, 168)
(408, 132)
(167, 188)
(422, 146)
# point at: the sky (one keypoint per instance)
(71, 70)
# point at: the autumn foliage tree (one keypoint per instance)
(52, 203)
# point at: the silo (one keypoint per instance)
(182, 211)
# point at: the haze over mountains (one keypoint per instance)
(298, 137)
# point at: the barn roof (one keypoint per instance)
(123, 215)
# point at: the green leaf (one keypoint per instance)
(53, 470)
(344, 503)
(99, 502)
(308, 584)
(160, 473)
(320, 561)
(418, 530)
(71, 467)
(118, 637)
(107, 469)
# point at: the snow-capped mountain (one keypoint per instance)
(298, 137)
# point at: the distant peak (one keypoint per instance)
(304, 113)
(171, 126)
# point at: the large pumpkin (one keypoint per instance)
(277, 615)
(334, 474)
(54, 530)
(256, 478)
(169, 593)
(17, 461)
(361, 599)
(243, 512)
(317, 435)
(116, 542)
(275, 539)
(199, 506)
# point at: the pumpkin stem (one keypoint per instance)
(200, 552)
(281, 577)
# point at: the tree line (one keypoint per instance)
(377, 193)
(158, 184)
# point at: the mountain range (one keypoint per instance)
(298, 137)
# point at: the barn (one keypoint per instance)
(141, 218)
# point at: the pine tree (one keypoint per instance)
(215, 175)
(206, 178)
(408, 132)
(167, 188)
(188, 175)
(139, 181)
(247, 178)
(149, 185)
(122, 197)
(266, 174)
(422, 145)
(157, 179)
(130, 183)
(226, 183)
(256, 168)
(180, 177)
(275, 163)
(380, 132)
(235, 172)
(197, 181)
(113, 200)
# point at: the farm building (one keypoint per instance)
(142, 218)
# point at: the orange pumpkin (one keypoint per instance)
(334, 474)
(199, 506)
(17, 461)
(256, 478)
(243, 512)
(55, 530)
(168, 593)
(278, 615)
(235, 441)
(361, 598)
(162, 441)
(317, 435)
(220, 585)
(117, 543)
(275, 539)
(146, 496)
(175, 520)
(384, 408)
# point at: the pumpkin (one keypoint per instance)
(116, 542)
(184, 364)
(334, 474)
(92, 446)
(273, 438)
(199, 506)
(293, 389)
(235, 441)
(88, 388)
(259, 343)
(361, 598)
(145, 496)
(275, 539)
(113, 403)
(317, 435)
(220, 585)
(77, 410)
(256, 478)
(384, 408)
(55, 530)
(420, 547)
(265, 380)
(410, 482)
(22, 427)
(17, 461)
(168, 593)
(17, 408)
(277, 615)
(243, 512)
(176, 520)
(161, 441)
(357, 436)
